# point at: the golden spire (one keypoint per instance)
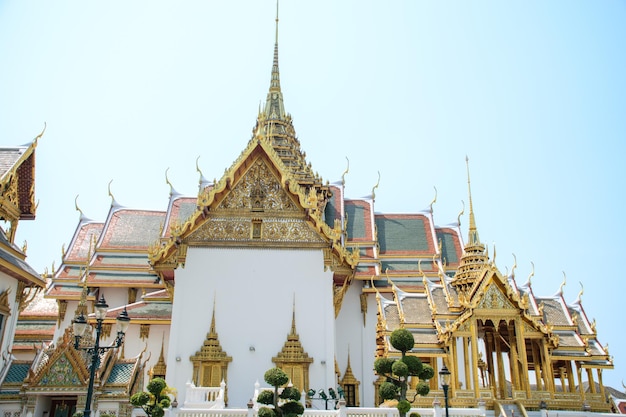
(472, 238)
(274, 107)
(474, 257)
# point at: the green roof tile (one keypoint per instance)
(356, 221)
(448, 250)
(17, 373)
(405, 235)
(121, 373)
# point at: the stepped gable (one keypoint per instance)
(119, 256)
(66, 281)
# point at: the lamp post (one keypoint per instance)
(445, 384)
(80, 326)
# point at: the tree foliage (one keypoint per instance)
(290, 396)
(398, 371)
(155, 400)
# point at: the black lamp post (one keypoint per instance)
(80, 325)
(445, 384)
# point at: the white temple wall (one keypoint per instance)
(254, 292)
(7, 326)
(358, 336)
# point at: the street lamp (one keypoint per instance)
(80, 326)
(445, 384)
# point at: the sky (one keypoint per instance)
(532, 92)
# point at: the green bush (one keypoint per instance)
(383, 365)
(415, 414)
(427, 372)
(402, 340)
(290, 393)
(265, 397)
(388, 391)
(404, 406)
(156, 386)
(292, 408)
(414, 364)
(266, 412)
(399, 368)
(423, 388)
(276, 377)
(139, 399)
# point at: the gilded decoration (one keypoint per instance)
(210, 363)
(495, 299)
(5, 308)
(239, 229)
(258, 190)
(293, 359)
(257, 209)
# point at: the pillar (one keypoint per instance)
(474, 341)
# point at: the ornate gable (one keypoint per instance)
(63, 367)
(495, 299)
(257, 210)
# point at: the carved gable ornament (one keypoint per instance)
(495, 299)
(258, 210)
(258, 191)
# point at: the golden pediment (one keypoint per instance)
(258, 190)
(258, 210)
(495, 299)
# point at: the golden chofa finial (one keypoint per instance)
(82, 215)
(168, 182)
(343, 176)
(375, 187)
(434, 200)
(113, 202)
(45, 125)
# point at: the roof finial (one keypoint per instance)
(532, 274)
(274, 107)
(580, 294)
(276, 41)
(473, 232)
(434, 201)
(275, 84)
(293, 313)
(343, 176)
(113, 201)
(375, 187)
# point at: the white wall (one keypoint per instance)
(360, 339)
(254, 292)
(10, 320)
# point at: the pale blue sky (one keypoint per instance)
(532, 91)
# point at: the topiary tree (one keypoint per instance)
(398, 371)
(291, 407)
(155, 400)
